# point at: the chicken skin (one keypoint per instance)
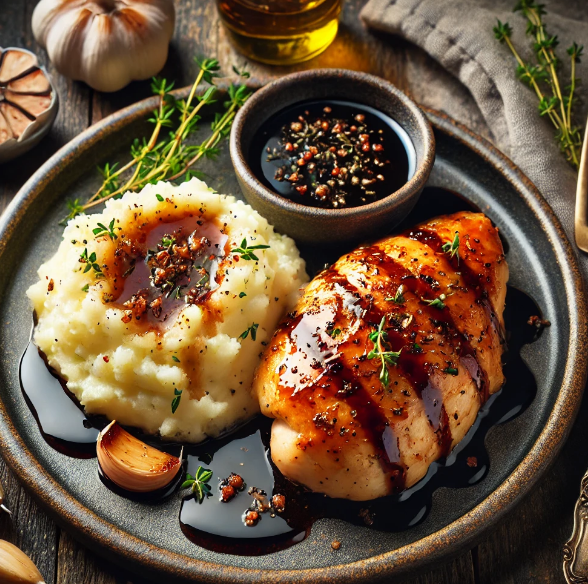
(382, 367)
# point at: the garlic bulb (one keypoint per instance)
(106, 43)
(133, 465)
(16, 567)
(28, 102)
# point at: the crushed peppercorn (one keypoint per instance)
(331, 156)
(230, 487)
(252, 518)
(279, 503)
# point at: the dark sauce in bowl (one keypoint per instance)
(332, 154)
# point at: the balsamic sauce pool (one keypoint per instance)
(219, 526)
(332, 154)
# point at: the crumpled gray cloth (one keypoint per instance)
(458, 34)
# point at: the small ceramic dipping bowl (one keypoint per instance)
(327, 226)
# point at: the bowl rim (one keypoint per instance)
(412, 186)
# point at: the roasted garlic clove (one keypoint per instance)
(28, 103)
(34, 83)
(16, 567)
(33, 105)
(14, 63)
(106, 43)
(17, 120)
(133, 465)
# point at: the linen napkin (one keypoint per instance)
(459, 35)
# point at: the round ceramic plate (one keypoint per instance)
(148, 537)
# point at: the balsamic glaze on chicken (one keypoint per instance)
(384, 363)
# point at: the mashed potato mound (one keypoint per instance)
(129, 334)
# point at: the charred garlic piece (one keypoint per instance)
(16, 567)
(28, 102)
(133, 465)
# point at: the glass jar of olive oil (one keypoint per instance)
(281, 32)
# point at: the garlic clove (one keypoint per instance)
(34, 105)
(133, 465)
(14, 63)
(33, 82)
(16, 567)
(16, 119)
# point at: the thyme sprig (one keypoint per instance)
(90, 261)
(102, 230)
(169, 158)
(198, 483)
(452, 247)
(555, 102)
(245, 251)
(438, 302)
(382, 351)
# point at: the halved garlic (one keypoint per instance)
(28, 103)
(16, 567)
(133, 465)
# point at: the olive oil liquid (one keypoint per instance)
(280, 32)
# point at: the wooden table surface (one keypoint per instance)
(526, 547)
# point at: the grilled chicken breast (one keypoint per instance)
(384, 363)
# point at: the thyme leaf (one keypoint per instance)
(198, 483)
(176, 401)
(102, 230)
(246, 252)
(452, 247)
(90, 261)
(75, 208)
(252, 329)
(381, 350)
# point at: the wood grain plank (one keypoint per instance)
(458, 571)
(527, 547)
(79, 566)
(28, 528)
